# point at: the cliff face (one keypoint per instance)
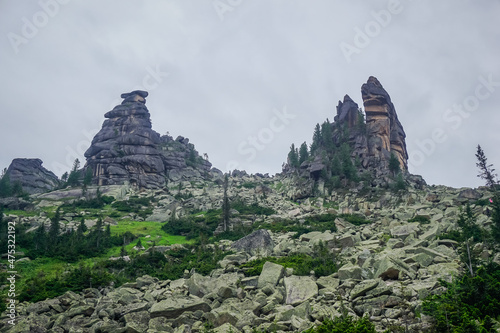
(128, 150)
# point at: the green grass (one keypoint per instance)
(142, 229)
(20, 212)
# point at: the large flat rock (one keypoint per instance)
(270, 275)
(299, 289)
(173, 308)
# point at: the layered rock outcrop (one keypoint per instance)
(385, 132)
(128, 151)
(125, 150)
(371, 141)
(32, 176)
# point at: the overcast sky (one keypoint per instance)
(243, 79)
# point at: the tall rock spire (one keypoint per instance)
(128, 151)
(125, 149)
(385, 132)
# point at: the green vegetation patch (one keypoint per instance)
(252, 209)
(169, 266)
(355, 219)
(422, 219)
(344, 324)
(469, 303)
(322, 262)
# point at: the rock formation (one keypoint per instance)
(128, 150)
(371, 142)
(32, 176)
(125, 150)
(347, 112)
(383, 127)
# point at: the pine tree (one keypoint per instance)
(293, 157)
(336, 166)
(486, 170)
(81, 227)
(138, 244)
(98, 233)
(470, 234)
(327, 135)
(361, 124)
(17, 189)
(64, 177)
(5, 186)
(123, 251)
(87, 180)
(3, 227)
(107, 233)
(225, 204)
(40, 238)
(54, 231)
(303, 153)
(74, 175)
(394, 164)
(348, 169)
(487, 173)
(316, 140)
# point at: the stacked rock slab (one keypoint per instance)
(125, 149)
(31, 175)
(385, 132)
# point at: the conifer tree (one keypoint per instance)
(123, 251)
(74, 175)
(293, 157)
(326, 135)
(5, 186)
(138, 244)
(303, 153)
(486, 170)
(40, 238)
(225, 204)
(54, 230)
(394, 167)
(316, 140)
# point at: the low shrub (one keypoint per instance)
(355, 219)
(344, 324)
(422, 219)
(322, 262)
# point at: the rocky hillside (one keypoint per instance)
(389, 258)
